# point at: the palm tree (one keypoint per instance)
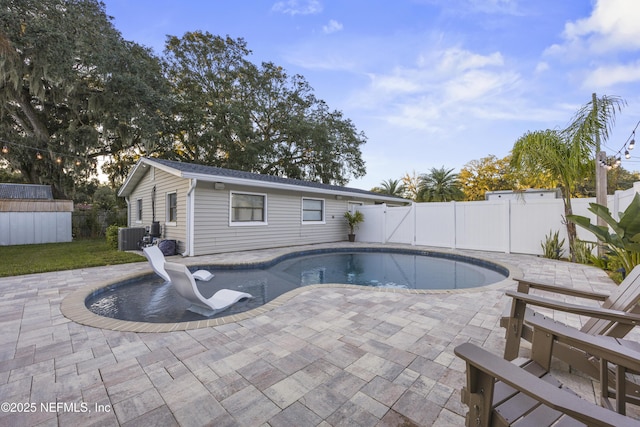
(549, 152)
(593, 121)
(565, 155)
(439, 185)
(392, 187)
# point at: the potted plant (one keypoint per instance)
(353, 219)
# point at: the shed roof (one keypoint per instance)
(25, 191)
(216, 174)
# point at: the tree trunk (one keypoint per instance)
(571, 226)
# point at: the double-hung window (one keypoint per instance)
(172, 208)
(139, 210)
(313, 211)
(248, 208)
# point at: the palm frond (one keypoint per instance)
(595, 118)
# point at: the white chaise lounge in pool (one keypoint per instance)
(183, 281)
(156, 259)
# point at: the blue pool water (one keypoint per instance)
(149, 299)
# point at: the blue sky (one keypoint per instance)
(430, 82)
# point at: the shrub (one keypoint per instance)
(552, 246)
(582, 250)
(621, 237)
(112, 236)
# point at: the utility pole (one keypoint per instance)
(601, 172)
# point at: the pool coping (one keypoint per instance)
(73, 305)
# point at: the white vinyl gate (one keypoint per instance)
(511, 226)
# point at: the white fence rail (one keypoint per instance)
(511, 226)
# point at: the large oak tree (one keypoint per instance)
(71, 90)
(232, 113)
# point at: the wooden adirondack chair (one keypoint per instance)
(503, 393)
(617, 314)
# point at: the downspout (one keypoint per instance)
(190, 218)
(126, 199)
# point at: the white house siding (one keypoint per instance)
(165, 183)
(284, 212)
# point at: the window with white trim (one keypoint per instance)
(172, 207)
(248, 208)
(139, 210)
(313, 211)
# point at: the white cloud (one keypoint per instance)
(332, 27)
(476, 85)
(422, 114)
(448, 85)
(607, 76)
(600, 46)
(400, 81)
(298, 7)
(541, 67)
(441, 69)
(458, 60)
(612, 27)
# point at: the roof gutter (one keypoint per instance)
(294, 187)
(346, 193)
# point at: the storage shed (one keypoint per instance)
(209, 210)
(30, 215)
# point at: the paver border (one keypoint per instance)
(73, 305)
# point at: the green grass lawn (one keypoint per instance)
(25, 259)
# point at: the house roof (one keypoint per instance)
(230, 176)
(25, 191)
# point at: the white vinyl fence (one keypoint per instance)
(510, 226)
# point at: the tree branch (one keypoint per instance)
(38, 129)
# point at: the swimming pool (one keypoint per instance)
(150, 299)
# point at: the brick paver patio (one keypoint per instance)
(327, 356)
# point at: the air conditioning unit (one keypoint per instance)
(128, 238)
